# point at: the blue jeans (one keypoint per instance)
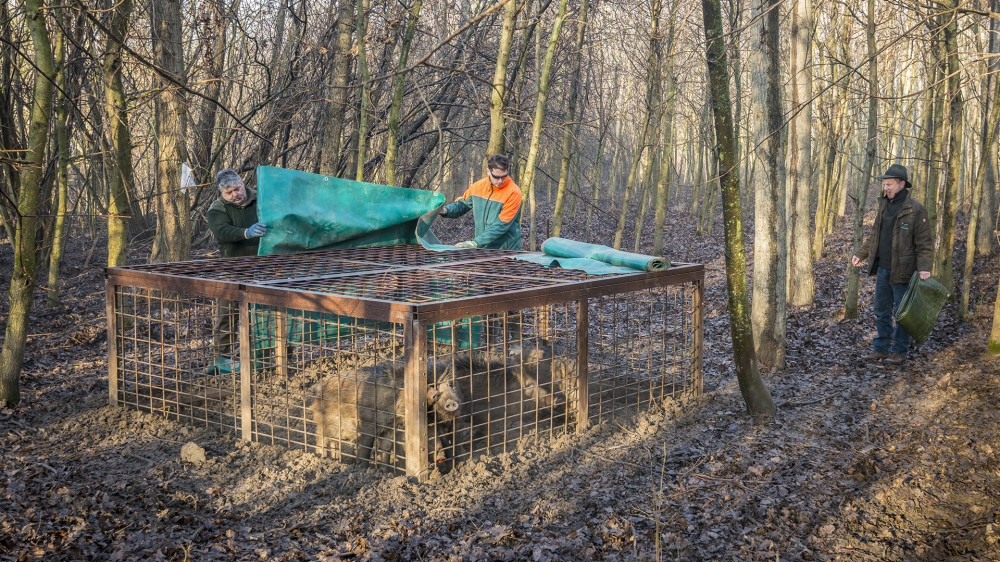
(887, 297)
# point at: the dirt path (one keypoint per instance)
(862, 461)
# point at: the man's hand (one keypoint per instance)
(467, 244)
(257, 230)
(925, 274)
(856, 261)
(443, 211)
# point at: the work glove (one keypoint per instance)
(467, 244)
(257, 230)
(443, 211)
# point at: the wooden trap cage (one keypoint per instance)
(396, 355)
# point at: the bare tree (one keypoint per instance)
(755, 393)
(769, 264)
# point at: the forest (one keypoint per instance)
(745, 136)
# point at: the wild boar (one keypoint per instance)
(550, 382)
(356, 407)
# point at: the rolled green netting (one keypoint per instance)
(920, 306)
(565, 248)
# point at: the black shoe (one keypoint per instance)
(875, 356)
(895, 359)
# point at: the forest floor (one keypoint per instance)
(862, 461)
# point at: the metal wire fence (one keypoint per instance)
(409, 359)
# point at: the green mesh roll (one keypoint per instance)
(565, 248)
(920, 306)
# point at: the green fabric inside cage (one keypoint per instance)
(920, 306)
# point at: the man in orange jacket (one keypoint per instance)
(495, 202)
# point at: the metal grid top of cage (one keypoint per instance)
(396, 282)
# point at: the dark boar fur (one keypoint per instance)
(352, 406)
(550, 382)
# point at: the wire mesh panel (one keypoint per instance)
(400, 357)
(329, 383)
(642, 348)
(167, 361)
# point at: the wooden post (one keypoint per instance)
(110, 303)
(246, 409)
(698, 339)
(415, 397)
(280, 344)
(582, 380)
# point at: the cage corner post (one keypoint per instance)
(111, 304)
(246, 353)
(699, 334)
(582, 377)
(415, 397)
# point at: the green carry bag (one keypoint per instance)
(920, 306)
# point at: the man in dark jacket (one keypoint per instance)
(495, 202)
(232, 218)
(900, 243)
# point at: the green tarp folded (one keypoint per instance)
(593, 258)
(920, 306)
(306, 211)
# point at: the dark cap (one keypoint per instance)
(897, 171)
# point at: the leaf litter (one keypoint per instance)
(862, 461)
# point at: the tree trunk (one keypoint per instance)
(62, 166)
(652, 95)
(392, 144)
(366, 88)
(173, 220)
(755, 393)
(801, 287)
(943, 266)
(121, 137)
(667, 126)
(214, 60)
(769, 277)
(528, 178)
(571, 129)
(937, 131)
(497, 143)
(861, 193)
(337, 107)
(22, 281)
(990, 132)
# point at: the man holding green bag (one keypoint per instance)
(900, 243)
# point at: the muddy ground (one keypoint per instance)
(862, 462)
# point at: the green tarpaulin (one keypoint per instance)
(593, 258)
(306, 211)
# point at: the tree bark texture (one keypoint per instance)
(336, 109)
(571, 129)
(752, 387)
(121, 180)
(392, 143)
(497, 143)
(22, 281)
(528, 178)
(801, 286)
(769, 268)
(861, 192)
(943, 264)
(173, 220)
